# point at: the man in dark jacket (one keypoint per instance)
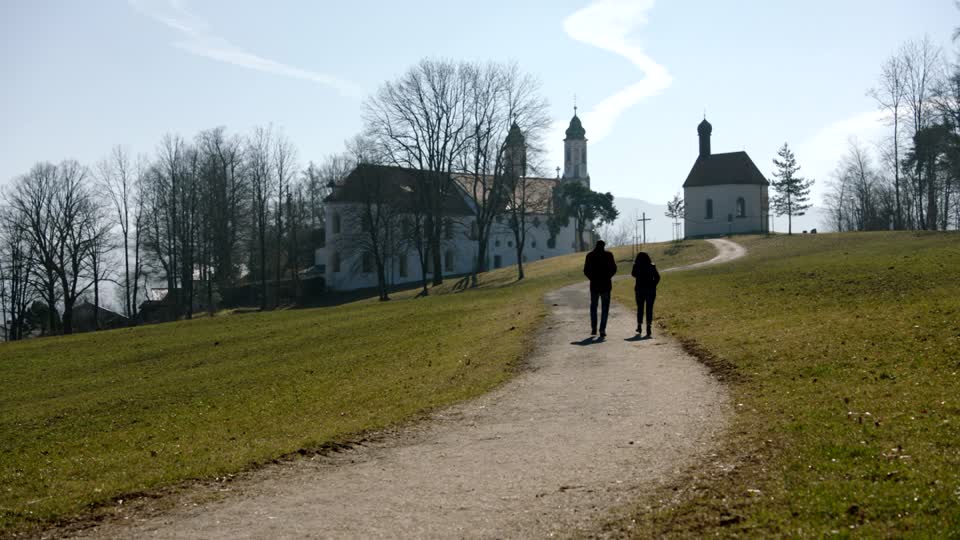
(599, 267)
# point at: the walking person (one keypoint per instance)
(645, 289)
(599, 267)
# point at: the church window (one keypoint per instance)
(709, 209)
(403, 265)
(741, 207)
(448, 261)
(322, 268)
(567, 154)
(509, 243)
(336, 225)
(584, 155)
(552, 241)
(448, 229)
(473, 230)
(497, 261)
(336, 261)
(367, 263)
(533, 243)
(496, 243)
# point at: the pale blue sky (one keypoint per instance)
(80, 77)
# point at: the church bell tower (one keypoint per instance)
(515, 152)
(575, 152)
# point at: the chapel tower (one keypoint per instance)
(704, 130)
(575, 152)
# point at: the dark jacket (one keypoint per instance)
(647, 277)
(599, 267)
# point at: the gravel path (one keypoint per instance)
(589, 428)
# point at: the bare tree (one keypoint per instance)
(284, 166)
(921, 59)
(57, 211)
(17, 291)
(116, 180)
(890, 96)
(507, 120)
(259, 156)
(372, 219)
(421, 122)
(226, 204)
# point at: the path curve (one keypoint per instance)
(727, 250)
(588, 429)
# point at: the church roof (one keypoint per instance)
(729, 168)
(537, 191)
(575, 130)
(398, 184)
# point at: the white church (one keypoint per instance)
(350, 269)
(724, 193)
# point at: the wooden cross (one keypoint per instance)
(644, 220)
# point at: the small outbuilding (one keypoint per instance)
(724, 193)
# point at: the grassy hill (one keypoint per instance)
(843, 357)
(89, 419)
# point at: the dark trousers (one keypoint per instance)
(645, 301)
(604, 300)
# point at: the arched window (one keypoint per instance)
(366, 262)
(709, 209)
(448, 259)
(336, 261)
(741, 207)
(584, 155)
(336, 226)
(403, 265)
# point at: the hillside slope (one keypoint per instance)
(844, 357)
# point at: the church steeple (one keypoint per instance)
(703, 131)
(575, 151)
(515, 151)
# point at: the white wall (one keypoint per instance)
(501, 245)
(724, 205)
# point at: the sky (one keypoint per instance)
(81, 77)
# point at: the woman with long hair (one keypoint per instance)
(645, 272)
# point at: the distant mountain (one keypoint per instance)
(660, 227)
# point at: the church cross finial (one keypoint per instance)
(558, 172)
(574, 104)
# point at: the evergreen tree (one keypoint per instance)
(792, 191)
(584, 206)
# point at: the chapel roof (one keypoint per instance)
(728, 168)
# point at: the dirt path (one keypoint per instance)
(587, 429)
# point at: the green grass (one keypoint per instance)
(844, 357)
(89, 419)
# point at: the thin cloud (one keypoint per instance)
(198, 40)
(607, 24)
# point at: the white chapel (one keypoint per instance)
(724, 193)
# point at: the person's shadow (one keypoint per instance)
(638, 337)
(592, 340)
